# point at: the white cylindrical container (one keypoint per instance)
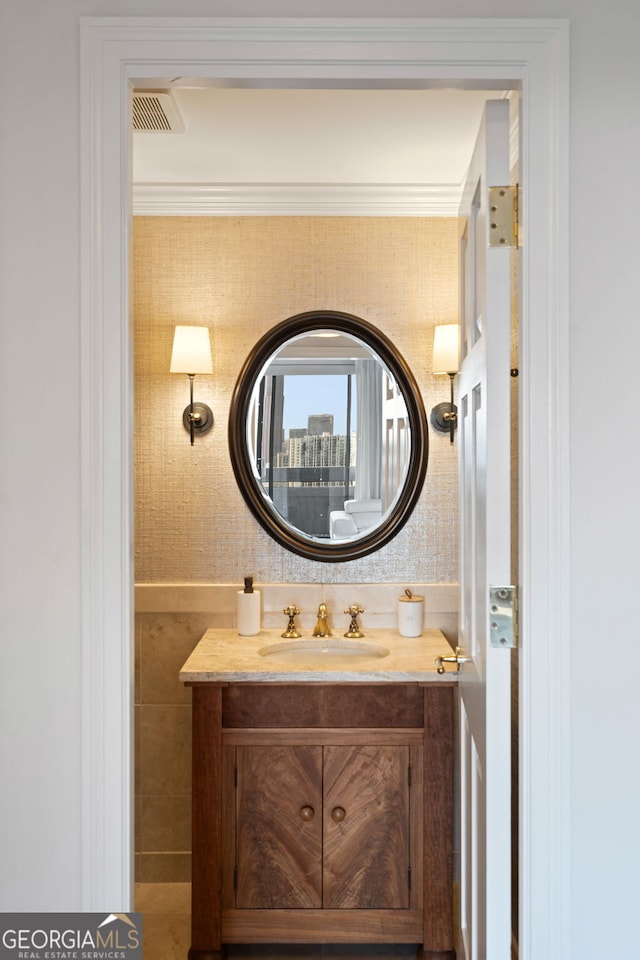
(410, 615)
(248, 610)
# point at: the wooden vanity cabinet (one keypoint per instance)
(325, 826)
(322, 814)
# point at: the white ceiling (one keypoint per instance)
(396, 143)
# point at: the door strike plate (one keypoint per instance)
(503, 617)
(503, 216)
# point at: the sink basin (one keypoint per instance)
(320, 650)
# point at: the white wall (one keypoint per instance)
(40, 639)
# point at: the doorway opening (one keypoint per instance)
(191, 270)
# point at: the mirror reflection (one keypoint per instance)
(329, 435)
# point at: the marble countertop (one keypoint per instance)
(222, 656)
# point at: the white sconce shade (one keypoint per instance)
(446, 348)
(446, 359)
(191, 351)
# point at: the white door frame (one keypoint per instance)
(531, 52)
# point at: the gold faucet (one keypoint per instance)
(321, 628)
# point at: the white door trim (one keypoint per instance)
(533, 52)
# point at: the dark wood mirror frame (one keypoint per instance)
(253, 493)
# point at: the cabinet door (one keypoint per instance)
(366, 827)
(279, 827)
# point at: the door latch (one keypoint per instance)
(457, 659)
(503, 617)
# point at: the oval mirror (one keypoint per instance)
(328, 436)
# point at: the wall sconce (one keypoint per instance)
(446, 359)
(191, 354)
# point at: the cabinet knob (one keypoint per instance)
(338, 814)
(307, 813)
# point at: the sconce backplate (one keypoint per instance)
(203, 418)
(441, 417)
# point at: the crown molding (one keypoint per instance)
(295, 199)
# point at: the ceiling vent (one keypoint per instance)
(155, 112)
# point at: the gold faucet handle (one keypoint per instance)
(354, 610)
(291, 632)
(354, 632)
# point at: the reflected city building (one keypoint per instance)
(308, 472)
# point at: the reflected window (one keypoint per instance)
(306, 441)
(320, 436)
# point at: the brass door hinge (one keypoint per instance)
(503, 216)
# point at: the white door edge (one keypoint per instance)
(534, 52)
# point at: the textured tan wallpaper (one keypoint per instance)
(241, 276)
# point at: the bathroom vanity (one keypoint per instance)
(322, 791)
